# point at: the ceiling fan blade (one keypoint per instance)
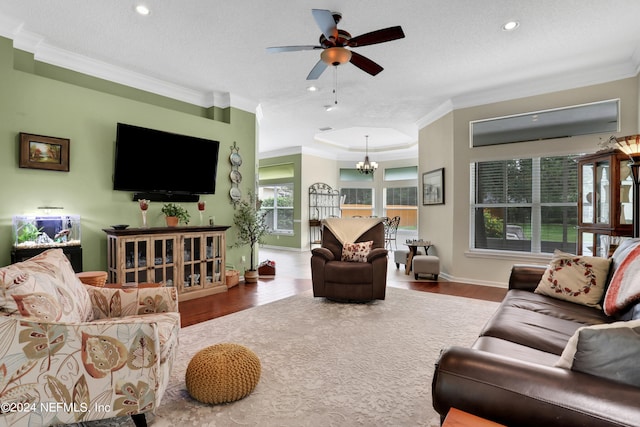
(365, 64)
(317, 70)
(379, 36)
(326, 23)
(278, 49)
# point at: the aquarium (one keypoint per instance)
(46, 231)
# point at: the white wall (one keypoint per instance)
(445, 143)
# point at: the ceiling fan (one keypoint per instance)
(334, 44)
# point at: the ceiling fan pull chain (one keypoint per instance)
(335, 84)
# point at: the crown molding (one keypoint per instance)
(44, 52)
(435, 114)
(517, 90)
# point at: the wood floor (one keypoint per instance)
(293, 276)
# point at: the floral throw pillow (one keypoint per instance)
(44, 288)
(356, 252)
(578, 279)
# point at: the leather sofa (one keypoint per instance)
(509, 374)
(350, 281)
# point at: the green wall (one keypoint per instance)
(55, 102)
(282, 240)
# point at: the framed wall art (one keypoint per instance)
(44, 152)
(433, 187)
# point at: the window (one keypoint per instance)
(403, 202)
(354, 175)
(356, 202)
(526, 205)
(277, 201)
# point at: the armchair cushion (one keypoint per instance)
(44, 288)
(113, 302)
(356, 252)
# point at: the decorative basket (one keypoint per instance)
(232, 278)
(267, 268)
(93, 278)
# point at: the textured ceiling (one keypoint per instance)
(454, 55)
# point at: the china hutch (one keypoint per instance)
(605, 211)
(190, 258)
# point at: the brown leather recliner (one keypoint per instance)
(350, 281)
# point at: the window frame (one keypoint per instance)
(275, 208)
(536, 207)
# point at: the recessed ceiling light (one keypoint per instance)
(510, 26)
(143, 10)
(328, 107)
(312, 89)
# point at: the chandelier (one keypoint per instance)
(366, 167)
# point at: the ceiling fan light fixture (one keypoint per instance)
(335, 56)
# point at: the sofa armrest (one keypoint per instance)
(377, 253)
(526, 277)
(513, 392)
(324, 253)
(122, 302)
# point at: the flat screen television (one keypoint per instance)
(164, 164)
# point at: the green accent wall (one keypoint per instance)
(42, 99)
(286, 241)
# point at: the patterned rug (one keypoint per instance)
(329, 364)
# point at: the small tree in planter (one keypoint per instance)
(177, 211)
(252, 227)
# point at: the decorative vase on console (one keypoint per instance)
(201, 207)
(144, 205)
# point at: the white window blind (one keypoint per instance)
(526, 205)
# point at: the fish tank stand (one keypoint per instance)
(74, 253)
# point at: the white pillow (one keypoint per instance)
(578, 279)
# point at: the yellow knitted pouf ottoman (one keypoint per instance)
(222, 373)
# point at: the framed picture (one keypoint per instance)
(44, 152)
(433, 187)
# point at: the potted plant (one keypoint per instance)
(252, 227)
(175, 213)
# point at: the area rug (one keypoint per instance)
(330, 364)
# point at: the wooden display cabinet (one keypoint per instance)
(605, 210)
(190, 258)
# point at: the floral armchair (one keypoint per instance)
(71, 352)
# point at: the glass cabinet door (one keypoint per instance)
(164, 261)
(213, 260)
(602, 201)
(191, 260)
(587, 193)
(136, 252)
(626, 193)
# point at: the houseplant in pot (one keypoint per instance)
(252, 227)
(174, 214)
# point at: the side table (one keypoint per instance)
(413, 250)
(458, 418)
